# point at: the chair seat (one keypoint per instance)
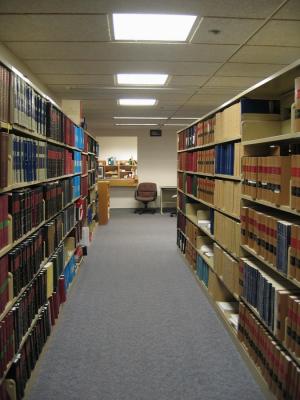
(144, 198)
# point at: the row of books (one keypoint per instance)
(227, 268)
(27, 210)
(225, 158)
(29, 159)
(188, 161)
(92, 162)
(93, 146)
(84, 185)
(205, 131)
(4, 93)
(205, 189)
(24, 261)
(29, 108)
(190, 255)
(4, 146)
(202, 270)
(181, 241)
(181, 222)
(84, 163)
(227, 233)
(26, 357)
(295, 180)
(92, 177)
(4, 221)
(227, 196)
(191, 232)
(281, 373)
(206, 161)
(268, 178)
(270, 237)
(260, 290)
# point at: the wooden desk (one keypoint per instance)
(122, 182)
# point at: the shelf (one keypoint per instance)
(10, 246)
(43, 138)
(212, 144)
(269, 265)
(37, 315)
(34, 321)
(227, 213)
(237, 258)
(33, 183)
(233, 334)
(230, 177)
(221, 176)
(286, 209)
(281, 344)
(272, 139)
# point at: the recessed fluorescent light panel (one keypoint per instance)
(175, 124)
(160, 27)
(142, 79)
(140, 117)
(136, 124)
(137, 102)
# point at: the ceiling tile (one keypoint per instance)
(53, 79)
(53, 27)
(250, 70)
(291, 10)
(122, 51)
(231, 82)
(231, 30)
(229, 8)
(108, 67)
(278, 33)
(267, 54)
(186, 81)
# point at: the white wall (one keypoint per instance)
(157, 162)
(121, 147)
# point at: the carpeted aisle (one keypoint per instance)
(138, 327)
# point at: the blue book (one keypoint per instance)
(260, 106)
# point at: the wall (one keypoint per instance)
(121, 147)
(157, 162)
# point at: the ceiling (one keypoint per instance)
(67, 45)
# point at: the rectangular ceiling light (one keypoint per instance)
(140, 117)
(142, 79)
(160, 27)
(136, 124)
(175, 124)
(137, 102)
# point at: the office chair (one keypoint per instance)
(146, 192)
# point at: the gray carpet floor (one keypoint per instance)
(137, 326)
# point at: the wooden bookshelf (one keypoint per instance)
(260, 137)
(50, 134)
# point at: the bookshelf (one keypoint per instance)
(48, 203)
(120, 170)
(238, 222)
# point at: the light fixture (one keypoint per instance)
(19, 73)
(140, 117)
(161, 27)
(137, 102)
(142, 79)
(136, 124)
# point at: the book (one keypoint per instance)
(227, 233)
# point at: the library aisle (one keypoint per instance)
(137, 327)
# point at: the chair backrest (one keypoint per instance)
(147, 189)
